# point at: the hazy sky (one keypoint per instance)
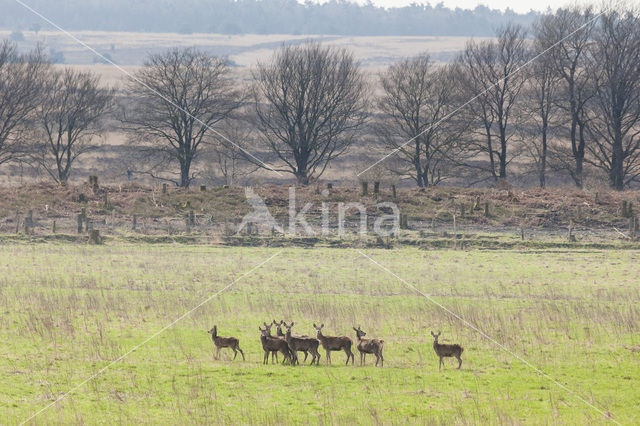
(517, 5)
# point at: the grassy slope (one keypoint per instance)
(159, 214)
(69, 310)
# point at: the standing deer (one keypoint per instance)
(442, 351)
(369, 346)
(272, 344)
(299, 344)
(334, 343)
(280, 334)
(225, 342)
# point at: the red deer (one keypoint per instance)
(272, 344)
(299, 344)
(225, 342)
(369, 346)
(334, 343)
(280, 334)
(446, 350)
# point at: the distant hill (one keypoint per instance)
(256, 17)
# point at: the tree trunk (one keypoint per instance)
(543, 157)
(302, 177)
(616, 174)
(185, 166)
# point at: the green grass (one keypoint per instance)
(66, 311)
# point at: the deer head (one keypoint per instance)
(359, 332)
(214, 331)
(267, 328)
(319, 329)
(435, 336)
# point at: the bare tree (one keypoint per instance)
(539, 109)
(566, 36)
(417, 98)
(309, 105)
(69, 117)
(230, 159)
(178, 96)
(20, 86)
(488, 73)
(615, 125)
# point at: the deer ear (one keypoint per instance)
(292, 324)
(321, 325)
(314, 325)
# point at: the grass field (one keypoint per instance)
(67, 311)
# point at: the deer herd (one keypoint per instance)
(289, 345)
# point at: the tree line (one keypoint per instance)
(260, 17)
(562, 96)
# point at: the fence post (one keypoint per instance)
(80, 219)
(365, 188)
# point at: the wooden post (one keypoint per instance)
(28, 222)
(404, 221)
(522, 233)
(455, 228)
(570, 236)
(486, 209)
(192, 218)
(164, 188)
(135, 222)
(329, 186)
(94, 237)
(462, 212)
(376, 188)
(624, 208)
(365, 188)
(80, 219)
(17, 222)
(53, 227)
(203, 188)
(93, 182)
(187, 223)
(393, 191)
(597, 201)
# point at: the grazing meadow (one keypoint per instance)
(69, 310)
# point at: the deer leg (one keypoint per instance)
(381, 360)
(235, 353)
(218, 353)
(459, 362)
(241, 353)
(317, 357)
(440, 365)
(265, 359)
(305, 356)
(377, 359)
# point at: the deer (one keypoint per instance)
(334, 343)
(225, 342)
(446, 350)
(272, 344)
(369, 346)
(281, 335)
(299, 344)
